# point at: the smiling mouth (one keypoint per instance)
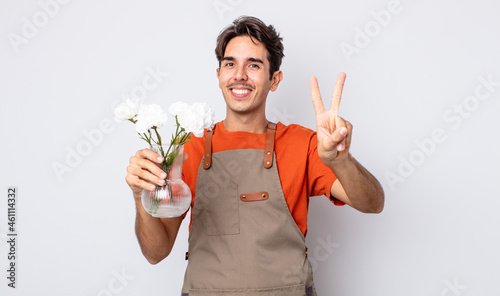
(240, 91)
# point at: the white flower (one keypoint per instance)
(206, 113)
(177, 108)
(150, 116)
(127, 109)
(196, 118)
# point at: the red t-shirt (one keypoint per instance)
(301, 171)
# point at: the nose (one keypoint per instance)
(241, 74)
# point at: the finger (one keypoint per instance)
(341, 146)
(336, 138)
(138, 174)
(345, 129)
(316, 96)
(349, 135)
(341, 133)
(138, 184)
(337, 93)
(149, 154)
(148, 165)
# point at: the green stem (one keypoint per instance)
(176, 134)
(159, 143)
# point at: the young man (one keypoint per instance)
(251, 179)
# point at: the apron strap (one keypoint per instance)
(269, 151)
(207, 157)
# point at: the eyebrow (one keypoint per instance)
(230, 58)
(255, 60)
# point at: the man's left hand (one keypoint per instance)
(334, 133)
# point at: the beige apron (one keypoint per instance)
(243, 239)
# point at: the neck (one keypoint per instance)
(251, 124)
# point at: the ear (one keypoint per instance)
(218, 77)
(276, 79)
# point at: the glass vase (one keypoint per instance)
(174, 197)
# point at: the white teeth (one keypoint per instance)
(241, 91)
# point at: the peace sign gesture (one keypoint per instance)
(334, 133)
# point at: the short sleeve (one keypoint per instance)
(320, 176)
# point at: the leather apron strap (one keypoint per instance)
(269, 150)
(207, 156)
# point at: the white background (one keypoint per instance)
(406, 80)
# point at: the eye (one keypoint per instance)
(256, 66)
(229, 64)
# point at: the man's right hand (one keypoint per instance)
(142, 170)
(156, 235)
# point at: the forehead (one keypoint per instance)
(244, 47)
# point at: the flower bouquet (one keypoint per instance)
(174, 197)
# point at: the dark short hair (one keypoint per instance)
(255, 29)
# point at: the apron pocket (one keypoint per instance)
(222, 212)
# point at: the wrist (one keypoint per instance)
(342, 163)
(138, 199)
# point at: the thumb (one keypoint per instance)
(338, 136)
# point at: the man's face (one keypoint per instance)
(244, 76)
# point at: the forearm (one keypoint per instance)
(156, 236)
(363, 190)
